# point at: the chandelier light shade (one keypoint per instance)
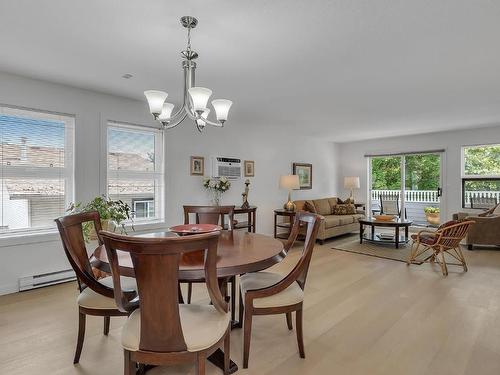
(222, 107)
(195, 99)
(199, 98)
(166, 112)
(155, 99)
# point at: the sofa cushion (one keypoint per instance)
(322, 206)
(309, 206)
(333, 202)
(344, 209)
(339, 220)
(332, 221)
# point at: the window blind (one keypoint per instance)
(36, 169)
(135, 169)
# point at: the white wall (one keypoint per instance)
(272, 151)
(353, 163)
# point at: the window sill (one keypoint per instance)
(26, 238)
(52, 235)
(143, 226)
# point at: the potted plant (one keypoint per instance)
(432, 215)
(112, 213)
(217, 187)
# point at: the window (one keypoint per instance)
(36, 169)
(480, 176)
(135, 169)
(143, 208)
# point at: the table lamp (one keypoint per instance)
(351, 183)
(289, 182)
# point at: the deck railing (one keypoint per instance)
(431, 196)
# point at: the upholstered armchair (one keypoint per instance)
(485, 231)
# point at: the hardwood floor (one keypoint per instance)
(363, 315)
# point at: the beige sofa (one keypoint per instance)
(485, 231)
(332, 225)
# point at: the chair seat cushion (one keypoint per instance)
(425, 239)
(127, 284)
(202, 327)
(92, 300)
(257, 280)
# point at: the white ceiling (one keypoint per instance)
(342, 70)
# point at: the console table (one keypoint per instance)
(288, 225)
(249, 224)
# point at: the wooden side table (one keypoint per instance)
(288, 225)
(250, 223)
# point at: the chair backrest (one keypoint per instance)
(483, 202)
(210, 215)
(452, 233)
(156, 267)
(389, 204)
(312, 222)
(71, 232)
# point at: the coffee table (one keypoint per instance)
(397, 223)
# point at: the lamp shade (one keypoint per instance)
(199, 97)
(155, 100)
(221, 107)
(166, 112)
(289, 182)
(351, 182)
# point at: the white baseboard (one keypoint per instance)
(9, 289)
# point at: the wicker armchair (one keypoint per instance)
(446, 240)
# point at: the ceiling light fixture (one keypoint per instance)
(195, 98)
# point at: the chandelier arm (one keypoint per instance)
(175, 123)
(213, 123)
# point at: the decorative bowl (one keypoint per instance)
(384, 217)
(194, 229)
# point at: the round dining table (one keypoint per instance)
(238, 252)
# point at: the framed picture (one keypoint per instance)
(304, 171)
(197, 166)
(249, 166)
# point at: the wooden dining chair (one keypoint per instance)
(159, 330)
(445, 240)
(212, 215)
(266, 293)
(96, 296)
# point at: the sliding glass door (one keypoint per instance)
(407, 185)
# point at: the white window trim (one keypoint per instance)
(67, 172)
(158, 174)
(462, 163)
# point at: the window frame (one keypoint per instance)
(158, 175)
(67, 173)
(472, 177)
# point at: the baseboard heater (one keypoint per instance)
(46, 279)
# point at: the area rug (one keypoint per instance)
(352, 245)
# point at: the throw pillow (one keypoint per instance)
(309, 206)
(347, 201)
(343, 209)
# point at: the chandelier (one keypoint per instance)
(195, 99)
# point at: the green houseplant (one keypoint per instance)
(432, 215)
(112, 213)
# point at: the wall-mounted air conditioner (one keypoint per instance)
(226, 167)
